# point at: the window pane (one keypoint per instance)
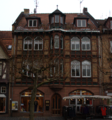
(40, 46)
(25, 46)
(56, 18)
(83, 46)
(61, 43)
(52, 20)
(88, 71)
(84, 72)
(83, 23)
(77, 71)
(73, 72)
(77, 46)
(36, 47)
(61, 20)
(56, 42)
(30, 23)
(88, 47)
(111, 46)
(73, 46)
(30, 46)
(79, 23)
(34, 23)
(51, 43)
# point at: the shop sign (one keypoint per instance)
(14, 105)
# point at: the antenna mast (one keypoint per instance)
(80, 4)
(36, 5)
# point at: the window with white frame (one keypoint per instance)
(38, 43)
(75, 43)
(111, 46)
(26, 71)
(32, 23)
(3, 89)
(0, 68)
(85, 43)
(86, 69)
(81, 23)
(27, 44)
(111, 24)
(56, 41)
(75, 68)
(56, 18)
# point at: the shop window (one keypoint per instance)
(38, 43)
(3, 89)
(75, 43)
(86, 69)
(27, 43)
(81, 23)
(85, 44)
(2, 104)
(38, 102)
(0, 68)
(75, 68)
(32, 23)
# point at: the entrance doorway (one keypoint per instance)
(56, 104)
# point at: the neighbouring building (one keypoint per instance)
(5, 54)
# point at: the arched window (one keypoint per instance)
(86, 69)
(38, 43)
(75, 43)
(86, 43)
(56, 41)
(75, 68)
(27, 44)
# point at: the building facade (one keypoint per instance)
(5, 54)
(78, 39)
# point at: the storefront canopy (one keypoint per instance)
(91, 96)
(2, 96)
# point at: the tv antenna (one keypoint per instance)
(80, 4)
(36, 5)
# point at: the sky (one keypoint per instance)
(10, 9)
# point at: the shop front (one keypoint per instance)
(2, 103)
(80, 101)
(38, 102)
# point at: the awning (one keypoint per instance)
(2, 96)
(91, 96)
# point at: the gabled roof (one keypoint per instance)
(4, 50)
(109, 18)
(57, 12)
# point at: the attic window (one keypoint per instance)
(32, 23)
(9, 47)
(81, 23)
(56, 18)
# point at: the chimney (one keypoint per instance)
(84, 10)
(26, 11)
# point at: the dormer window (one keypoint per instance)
(32, 23)
(81, 23)
(56, 18)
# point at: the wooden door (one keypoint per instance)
(56, 104)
